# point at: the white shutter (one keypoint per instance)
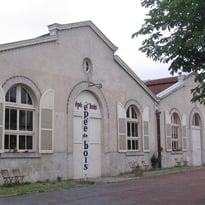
(184, 133)
(145, 116)
(122, 128)
(2, 111)
(46, 122)
(168, 132)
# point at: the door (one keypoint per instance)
(196, 140)
(196, 147)
(86, 137)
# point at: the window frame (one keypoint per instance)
(87, 65)
(176, 132)
(133, 133)
(19, 106)
(196, 120)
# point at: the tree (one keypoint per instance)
(175, 34)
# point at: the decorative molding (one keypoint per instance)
(25, 80)
(26, 43)
(85, 86)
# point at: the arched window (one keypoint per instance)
(133, 129)
(176, 132)
(196, 121)
(19, 114)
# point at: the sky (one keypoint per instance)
(117, 19)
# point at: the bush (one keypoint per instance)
(154, 161)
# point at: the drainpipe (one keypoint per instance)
(159, 149)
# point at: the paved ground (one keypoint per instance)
(187, 188)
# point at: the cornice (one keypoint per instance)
(26, 43)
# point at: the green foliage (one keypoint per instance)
(154, 161)
(59, 179)
(40, 186)
(175, 34)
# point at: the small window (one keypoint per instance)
(87, 65)
(196, 120)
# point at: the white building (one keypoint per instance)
(70, 107)
(181, 122)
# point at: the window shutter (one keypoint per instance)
(184, 134)
(46, 135)
(122, 128)
(146, 136)
(168, 132)
(146, 147)
(2, 110)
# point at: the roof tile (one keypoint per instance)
(158, 85)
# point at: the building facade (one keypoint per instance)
(181, 121)
(71, 108)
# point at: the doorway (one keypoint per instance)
(86, 136)
(196, 140)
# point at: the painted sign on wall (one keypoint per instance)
(85, 135)
(91, 106)
(86, 109)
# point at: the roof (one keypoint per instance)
(52, 36)
(171, 89)
(166, 86)
(159, 85)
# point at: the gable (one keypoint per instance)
(53, 36)
(55, 28)
(69, 44)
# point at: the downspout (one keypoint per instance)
(159, 149)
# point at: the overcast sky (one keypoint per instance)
(117, 19)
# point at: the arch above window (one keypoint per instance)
(175, 119)
(132, 112)
(196, 120)
(27, 83)
(19, 94)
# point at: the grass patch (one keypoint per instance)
(41, 186)
(47, 185)
(133, 173)
(158, 171)
(171, 170)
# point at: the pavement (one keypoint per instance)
(182, 188)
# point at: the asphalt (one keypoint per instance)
(183, 188)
